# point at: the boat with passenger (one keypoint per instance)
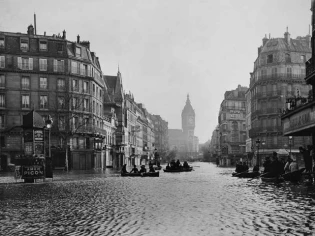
(146, 174)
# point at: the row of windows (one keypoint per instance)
(76, 103)
(27, 63)
(61, 85)
(271, 59)
(43, 45)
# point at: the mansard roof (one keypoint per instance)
(280, 44)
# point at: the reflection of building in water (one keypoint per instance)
(183, 140)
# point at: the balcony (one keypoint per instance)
(296, 103)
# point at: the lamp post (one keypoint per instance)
(258, 145)
(48, 171)
(290, 144)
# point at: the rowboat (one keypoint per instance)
(147, 174)
(182, 169)
(249, 174)
(294, 176)
(237, 174)
(272, 179)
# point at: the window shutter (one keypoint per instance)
(20, 62)
(45, 64)
(30, 63)
(55, 65)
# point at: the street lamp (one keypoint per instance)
(258, 145)
(290, 143)
(48, 125)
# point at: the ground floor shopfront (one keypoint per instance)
(300, 121)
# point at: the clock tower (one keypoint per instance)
(188, 123)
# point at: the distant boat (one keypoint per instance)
(182, 169)
(147, 174)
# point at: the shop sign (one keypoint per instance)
(38, 135)
(299, 120)
(35, 171)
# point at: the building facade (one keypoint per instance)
(232, 126)
(298, 115)
(278, 75)
(161, 135)
(57, 78)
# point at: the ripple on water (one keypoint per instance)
(207, 201)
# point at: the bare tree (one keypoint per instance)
(73, 114)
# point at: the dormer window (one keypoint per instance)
(43, 46)
(270, 58)
(78, 51)
(287, 58)
(1, 42)
(24, 44)
(60, 47)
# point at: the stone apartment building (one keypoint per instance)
(57, 78)
(232, 128)
(161, 135)
(278, 75)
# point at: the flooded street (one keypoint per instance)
(207, 201)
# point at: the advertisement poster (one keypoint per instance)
(38, 135)
(39, 148)
(35, 171)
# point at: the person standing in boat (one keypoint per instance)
(307, 158)
(267, 164)
(276, 167)
(124, 169)
(134, 169)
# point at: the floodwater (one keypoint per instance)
(206, 201)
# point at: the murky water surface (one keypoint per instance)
(207, 201)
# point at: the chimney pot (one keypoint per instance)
(78, 39)
(64, 34)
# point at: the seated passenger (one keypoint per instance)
(143, 169)
(124, 170)
(185, 165)
(158, 164)
(134, 169)
(293, 165)
(256, 168)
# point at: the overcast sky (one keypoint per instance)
(169, 48)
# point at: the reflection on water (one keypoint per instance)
(207, 201)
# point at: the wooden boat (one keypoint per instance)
(249, 174)
(294, 176)
(157, 167)
(147, 174)
(271, 179)
(182, 169)
(237, 174)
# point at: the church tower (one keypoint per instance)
(188, 124)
